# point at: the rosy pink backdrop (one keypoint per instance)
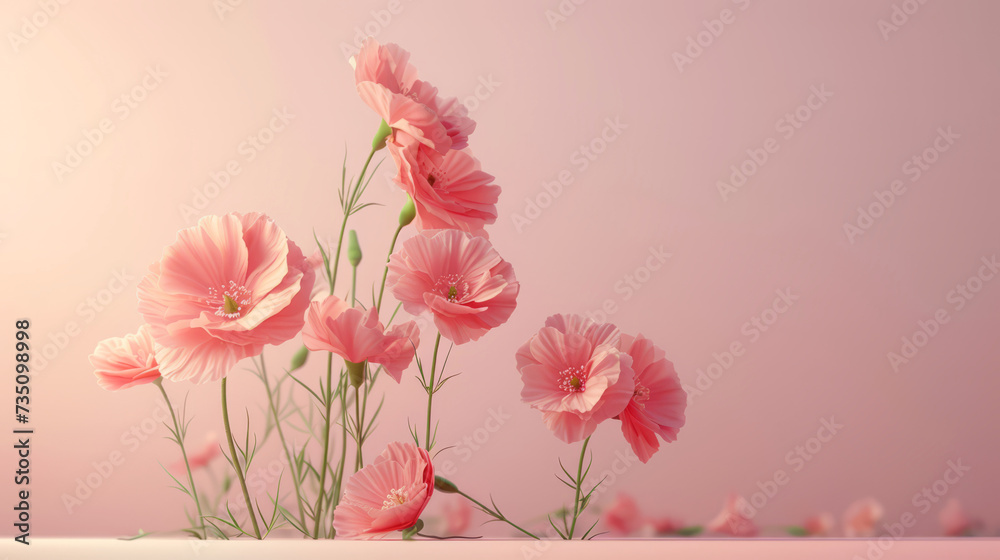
(540, 88)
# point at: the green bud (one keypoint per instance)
(442, 484)
(408, 212)
(689, 531)
(299, 358)
(797, 531)
(353, 249)
(384, 132)
(356, 373)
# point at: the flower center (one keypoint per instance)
(229, 300)
(452, 287)
(573, 379)
(395, 498)
(640, 396)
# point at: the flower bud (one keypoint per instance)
(299, 358)
(353, 249)
(408, 212)
(442, 484)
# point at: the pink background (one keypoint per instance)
(655, 185)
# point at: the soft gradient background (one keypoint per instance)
(553, 85)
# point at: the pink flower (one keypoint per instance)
(124, 362)
(861, 517)
(225, 288)
(387, 495)
(388, 84)
(955, 522)
(459, 278)
(448, 193)
(357, 335)
(664, 525)
(819, 525)
(658, 401)
(622, 516)
(457, 515)
(200, 458)
(734, 518)
(574, 373)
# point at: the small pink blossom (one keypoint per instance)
(388, 83)
(734, 519)
(574, 373)
(223, 290)
(457, 277)
(448, 193)
(955, 522)
(622, 516)
(387, 495)
(457, 515)
(357, 335)
(201, 457)
(861, 518)
(123, 362)
(658, 401)
(819, 525)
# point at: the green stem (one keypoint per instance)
(328, 397)
(359, 461)
(385, 272)
(579, 488)
(187, 464)
(342, 391)
(430, 392)
(284, 444)
(496, 515)
(236, 460)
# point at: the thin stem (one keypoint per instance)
(342, 392)
(579, 488)
(326, 443)
(496, 515)
(236, 460)
(430, 392)
(336, 258)
(385, 272)
(284, 445)
(187, 465)
(359, 461)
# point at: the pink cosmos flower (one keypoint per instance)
(449, 193)
(819, 525)
(459, 278)
(457, 515)
(734, 519)
(357, 335)
(664, 525)
(201, 457)
(124, 362)
(955, 522)
(861, 517)
(225, 288)
(622, 516)
(388, 83)
(574, 373)
(387, 495)
(658, 402)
